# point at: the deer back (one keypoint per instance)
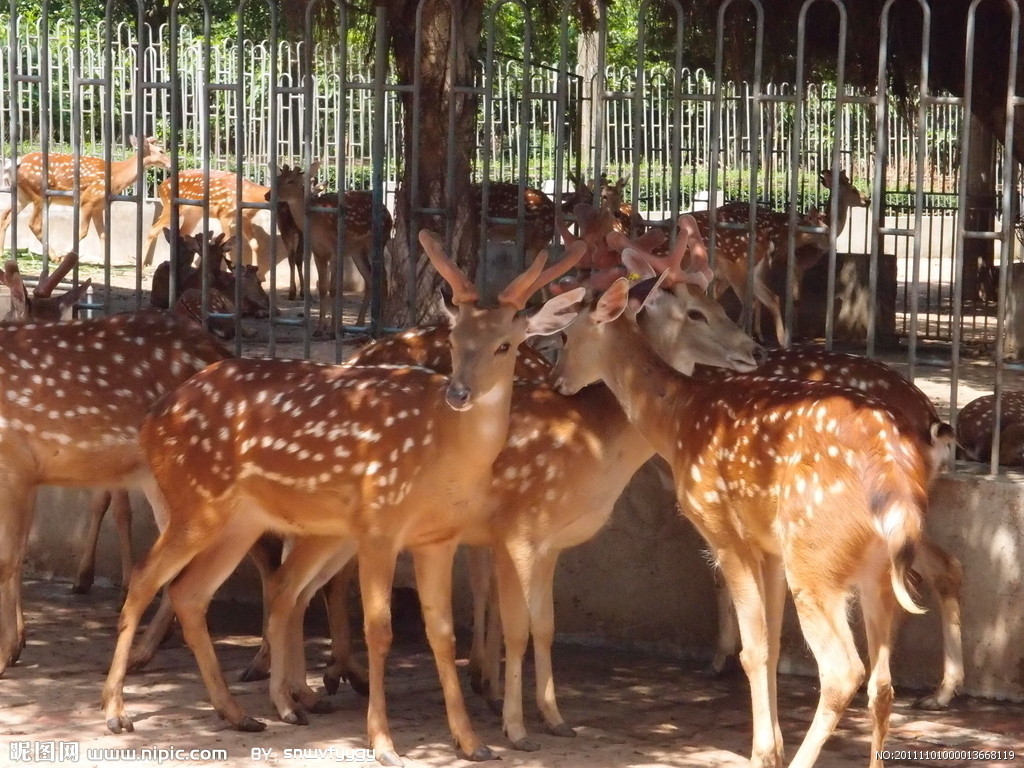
(976, 421)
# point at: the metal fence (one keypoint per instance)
(682, 137)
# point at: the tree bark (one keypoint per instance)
(447, 60)
(979, 255)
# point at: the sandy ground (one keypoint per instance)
(630, 710)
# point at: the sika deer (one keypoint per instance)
(357, 211)
(224, 204)
(975, 422)
(42, 307)
(503, 214)
(93, 174)
(387, 462)
(790, 481)
(70, 415)
(915, 414)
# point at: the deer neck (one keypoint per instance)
(123, 173)
(842, 213)
(643, 383)
(483, 429)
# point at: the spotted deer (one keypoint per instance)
(92, 185)
(357, 209)
(975, 423)
(363, 461)
(224, 205)
(41, 307)
(74, 396)
(793, 482)
(915, 414)
(503, 214)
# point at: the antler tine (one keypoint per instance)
(45, 286)
(519, 290)
(463, 290)
(689, 239)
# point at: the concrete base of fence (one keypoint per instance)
(644, 581)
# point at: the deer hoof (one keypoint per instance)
(82, 586)
(480, 754)
(295, 717)
(930, 703)
(331, 683)
(120, 723)
(322, 707)
(564, 730)
(525, 745)
(390, 759)
(250, 725)
(358, 682)
(476, 681)
(497, 706)
(252, 674)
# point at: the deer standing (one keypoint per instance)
(503, 203)
(75, 394)
(357, 210)
(92, 192)
(792, 482)
(224, 205)
(388, 458)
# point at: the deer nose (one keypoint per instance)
(458, 396)
(760, 354)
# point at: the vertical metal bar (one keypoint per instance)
(377, 266)
(337, 264)
(44, 130)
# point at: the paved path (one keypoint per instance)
(630, 710)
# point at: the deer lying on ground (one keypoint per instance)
(792, 482)
(407, 473)
(76, 394)
(91, 185)
(220, 279)
(975, 422)
(357, 210)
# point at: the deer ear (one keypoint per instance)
(134, 142)
(68, 300)
(557, 313)
(612, 303)
(450, 309)
(636, 266)
(655, 293)
(314, 168)
(19, 294)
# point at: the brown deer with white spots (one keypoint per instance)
(224, 205)
(346, 460)
(915, 414)
(43, 307)
(975, 423)
(357, 211)
(92, 191)
(503, 203)
(793, 482)
(74, 396)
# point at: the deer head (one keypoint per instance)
(42, 306)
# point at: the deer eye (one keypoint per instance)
(503, 348)
(697, 316)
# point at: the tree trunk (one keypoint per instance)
(979, 255)
(446, 60)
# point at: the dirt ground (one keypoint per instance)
(629, 709)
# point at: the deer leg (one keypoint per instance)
(362, 261)
(376, 576)
(479, 561)
(728, 641)
(878, 604)
(158, 629)
(775, 606)
(944, 573)
(746, 584)
(190, 594)
(291, 588)
(822, 610)
(98, 503)
(16, 513)
(494, 642)
(171, 552)
(324, 277)
(121, 506)
(342, 666)
(542, 621)
(266, 555)
(433, 565)
(6, 214)
(770, 300)
(515, 621)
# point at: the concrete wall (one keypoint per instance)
(644, 581)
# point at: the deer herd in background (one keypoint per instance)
(800, 467)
